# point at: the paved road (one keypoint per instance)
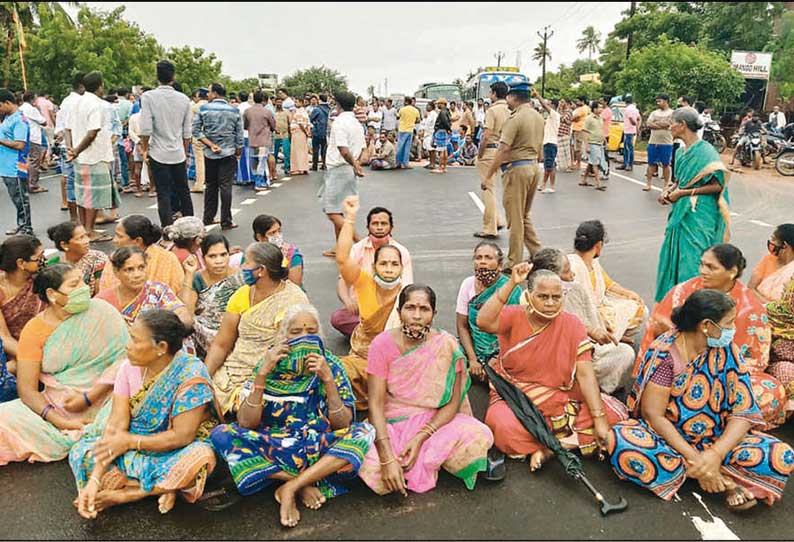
(435, 217)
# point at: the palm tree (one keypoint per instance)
(589, 42)
(539, 53)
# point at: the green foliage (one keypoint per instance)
(613, 58)
(593, 91)
(249, 84)
(739, 25)
(314, 79)
(679, 21)
(675, 69)
(590, 42)
(783, 57)
(540, 52)
(194, 67)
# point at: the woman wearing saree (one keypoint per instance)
(700, 216)
(68, 357)
(152, 438)
(622, 311)
(185, 236)
(268, 229)
(21, 256)
(545, 352)
(296, 423)
(418, 383)
(72, 240)
(776, 269)
(481, 347)
(212, 288)
(720, 269)
(251, 321)
(162, 265)
(564, 153)
(134, 294)
(694, 414)
(376, 296)
(781, 318)
(300, 129)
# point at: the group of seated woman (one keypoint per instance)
(139, 414)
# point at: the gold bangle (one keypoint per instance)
(599, 414)
(340, 409)
(382, 438)
(138, 445)
(247, 402)
(93, 478)
(389, 462)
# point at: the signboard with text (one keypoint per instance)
(268, 80)
(752, 65)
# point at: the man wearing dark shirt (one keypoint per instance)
(319, 119)
(441, 133)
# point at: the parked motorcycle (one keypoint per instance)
(784, 162)
(713, 134)
(751, 151)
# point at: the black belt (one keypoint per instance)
(492, 146)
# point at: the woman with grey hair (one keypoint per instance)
(296, 423)
(251, 321)
(184, 237)
(700, 217)
(612, 359)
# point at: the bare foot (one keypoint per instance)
(285, 496)
(166, 502)
(537, 459)
(108, 498)
(312, 497)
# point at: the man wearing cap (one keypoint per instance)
(520, 146)
(200, 98)
(495, 118)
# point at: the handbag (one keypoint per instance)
(8, 382)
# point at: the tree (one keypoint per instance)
(590, 40)
(613, 58)
(739, 25)
(194, 67)
(679, 21)
(676, 69)
(248, 84)
(783, 57)
(314, 79)
(540, 52)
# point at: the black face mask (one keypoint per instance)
(486, 276)
(415, 335)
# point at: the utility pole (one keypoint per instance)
(632, 10)
(499, 56)
(386, 86)
(545, 37)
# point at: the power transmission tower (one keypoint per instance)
(545, 37)
(499, 56)
(632, 10)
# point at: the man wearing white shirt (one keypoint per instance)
(89, 128)
(344, 147)
(67, 167)
(389, 116)
(777, 119)
(37, 121)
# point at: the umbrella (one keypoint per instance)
(533, 421)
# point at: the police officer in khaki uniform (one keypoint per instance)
(520, 147)
(495, 118)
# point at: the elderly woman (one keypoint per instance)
(134, 294)
(185, 236)
(72, 240)
(622, 311)
(163, 265)
(721, 266)
(776, 269)
(694, 411)
(699, 217)
(418, 384)
(67, 362)
(481, 347)
(781, 318)
(296, 423)
(151, 439)
(612, 359)
(546, 353)
(376, 296)
(251, 321)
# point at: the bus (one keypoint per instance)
(479, 86)
(434, 91)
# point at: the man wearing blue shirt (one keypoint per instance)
(319, 118)
(14, 144)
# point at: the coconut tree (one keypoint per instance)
(590, 40)
(541, 54)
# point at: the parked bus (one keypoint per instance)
(434, 91)
(479, 86)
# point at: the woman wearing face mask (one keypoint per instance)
(376, 296)
(481, 347)
(776, 269)
(721, 266)
(622, 311)
(547, 354)
(67, 358)
(212, 287)
(418, 375)
(73, 241)
(694, 414)
(267, 229)
(152, 439)
(296, 424)
(251, 321)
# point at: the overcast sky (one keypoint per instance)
(370, 42)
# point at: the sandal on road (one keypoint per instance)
(496, 470)
(218, 500)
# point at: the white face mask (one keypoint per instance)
(276, 239)
(541, 314)
(386, 284)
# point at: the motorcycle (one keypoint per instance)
(775, 142)
(750, 152)
(784, 162)
(712, 132)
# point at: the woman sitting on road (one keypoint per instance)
(267, 229)
(622, 311)
(418, 384)
(376, 297)
(73, 240)
(185, 236)
(480, 347)
(694, 412)
(163, 265)
(21, 257)
(721, 267)
(612, 359)
(134, 294)
(251, 321)
(776, 269)
(152, 439)
(212, 288)
(547, 354)
(67, 362)
(781, 318)
(296, 423)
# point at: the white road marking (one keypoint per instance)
(735, 214)
(248, 201)
(714, 529)
(276, 185)
(263, 193)
(235, 211)
(477, 201)
(761, 223)
(152, 206)
(211, 227)
(635, 181)
(286, 178)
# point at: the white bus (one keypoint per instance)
(479, 86)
